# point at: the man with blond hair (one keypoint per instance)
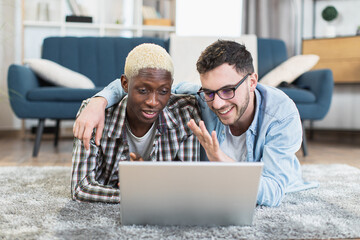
(150, 124)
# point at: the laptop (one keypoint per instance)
(188, 193)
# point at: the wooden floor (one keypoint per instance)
(326, 147)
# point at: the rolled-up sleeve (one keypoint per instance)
(84, 186)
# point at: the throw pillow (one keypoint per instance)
(58, 75)
(290, 70)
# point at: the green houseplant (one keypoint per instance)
(329, 14)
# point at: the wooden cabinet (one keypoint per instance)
(341, 55)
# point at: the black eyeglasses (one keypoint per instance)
(224, 93)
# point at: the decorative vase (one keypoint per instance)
(330, 31)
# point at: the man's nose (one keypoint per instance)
(152, 100)
(218, 102)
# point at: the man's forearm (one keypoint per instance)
(270, 192)
(113, 93)
(100, 100)
(185, 88)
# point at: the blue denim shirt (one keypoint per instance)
(274, 136)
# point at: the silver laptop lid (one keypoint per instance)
(188, 193)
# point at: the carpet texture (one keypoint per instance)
(35, 204)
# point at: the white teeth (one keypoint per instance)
(226, 111)
(150, 113)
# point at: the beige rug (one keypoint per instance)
(35, 204)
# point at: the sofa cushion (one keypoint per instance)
(61, 94)
(58, 75)
(290, 70)
(299, 95)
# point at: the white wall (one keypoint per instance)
(209, 18)
(346, 23)
(344, 111)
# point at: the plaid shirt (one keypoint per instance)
(95, 172)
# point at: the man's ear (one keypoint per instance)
(253, 80)
(125, 83)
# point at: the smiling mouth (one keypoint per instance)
(225, 111)
(150, 114)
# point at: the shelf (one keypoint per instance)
(41, 24)
(120, 27)
(103, 24)
(98, 26)
(105, 14)
(158, 28)
(81, 25)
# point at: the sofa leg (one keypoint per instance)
(57, 129)
(311, 130)
(39, 133)
(304, 144)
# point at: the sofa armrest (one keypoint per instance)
(21, 80)
(321, 83)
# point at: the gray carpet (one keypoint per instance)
(35, 204)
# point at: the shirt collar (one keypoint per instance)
(254, 124)
(166, 120)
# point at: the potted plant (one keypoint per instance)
(329, 14)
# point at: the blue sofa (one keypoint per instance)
(102, 60)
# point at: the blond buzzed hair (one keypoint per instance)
(147, 55)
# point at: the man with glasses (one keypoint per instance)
(242, 120)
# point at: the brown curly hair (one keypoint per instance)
(225, 51)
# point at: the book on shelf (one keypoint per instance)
(149, 12)
(81, 19)
(152, 17)
(80, 13)
(75, 8)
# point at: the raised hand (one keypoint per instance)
(209, 142)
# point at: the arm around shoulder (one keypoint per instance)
(91, 115)
(113, 93)
(185, 88)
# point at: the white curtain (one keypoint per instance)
(7, 8)
(273, 19)
(8, 50)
